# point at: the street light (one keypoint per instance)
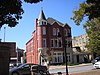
(64, 46)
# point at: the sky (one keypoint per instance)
(61, 10)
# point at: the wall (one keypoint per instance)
(4, 60)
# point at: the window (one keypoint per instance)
(44, 23)
(67, 32)
(44, 42)
(56, 43)
(52, 43)
(44, 30)
(69, 43)
(58, 57)
(54, 31)
(57, 31)
(68, 57)
(59, 43)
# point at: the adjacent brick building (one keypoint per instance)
(12, 46)
(47, 42)
(7, 50)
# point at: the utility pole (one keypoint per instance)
(64, 46)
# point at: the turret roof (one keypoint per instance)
(41, 16)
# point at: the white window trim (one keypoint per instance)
(44, 43)
(57, 56)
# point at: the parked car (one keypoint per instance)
(97, 65)
(96, 60)
(11, 65)
(25, 69)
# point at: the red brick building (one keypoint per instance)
(47, 42)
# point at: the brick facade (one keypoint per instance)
(46, 45)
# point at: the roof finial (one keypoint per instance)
(41, 16)
(41, 8)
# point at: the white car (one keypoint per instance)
(97, 65)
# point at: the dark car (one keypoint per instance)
(25, 69)
(43, 70)
(96, 60)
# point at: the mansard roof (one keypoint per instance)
(41, 16)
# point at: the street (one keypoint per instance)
(73, 69)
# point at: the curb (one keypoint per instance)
(59, 67)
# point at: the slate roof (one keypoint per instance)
(42, 16)
(51, 20)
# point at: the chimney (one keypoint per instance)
(36, 23)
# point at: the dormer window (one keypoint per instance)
(42, 22)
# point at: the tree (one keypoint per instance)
(11, 11)
(93, 30)
(32, 1)
(91, 10)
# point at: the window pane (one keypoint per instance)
(55, 43)
(44, 42)
(44, 31)
(52, 43)
(54, 31)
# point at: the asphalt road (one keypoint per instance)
(73, 69)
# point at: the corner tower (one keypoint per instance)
(42, 19)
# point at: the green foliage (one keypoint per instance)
(94, 9)
(93, 30)
(78, 15)
(91, 10)
(32, 1)
(10, 12)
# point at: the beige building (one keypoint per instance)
(80, 54)
(81, 41)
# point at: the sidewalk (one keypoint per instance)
(60, 66)
(92, 72)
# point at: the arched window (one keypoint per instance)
(54, 31)
(58, 31)
(44, 30)
(67, 32)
